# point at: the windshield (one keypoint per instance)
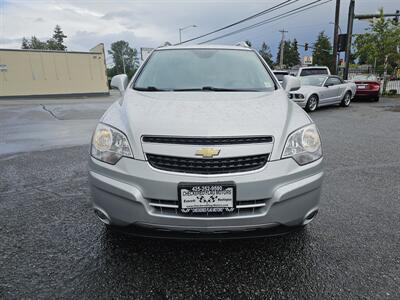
(365, 77)
(312, 80)
(204, 69)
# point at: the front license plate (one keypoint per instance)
(204, 198)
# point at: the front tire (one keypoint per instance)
(312, 103)
(346, 100)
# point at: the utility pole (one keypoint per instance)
(182, 29)
(283, 31)
(336, 37)
(349, 34)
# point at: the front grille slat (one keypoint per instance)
(245, 207)
(207, 140)
(207, 166)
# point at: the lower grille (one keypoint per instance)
(243, 208)
(207, 166)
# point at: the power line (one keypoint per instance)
(263, 12)
(273, 19)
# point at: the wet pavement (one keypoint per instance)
(40, 124)
(52, 246)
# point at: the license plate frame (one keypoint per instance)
(202, 188)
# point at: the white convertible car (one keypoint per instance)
(321, 90)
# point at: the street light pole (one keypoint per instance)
(182, 29)
(336, 37)
(337, 49)
(283, 31)
(349, 35)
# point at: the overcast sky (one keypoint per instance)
(151, 23)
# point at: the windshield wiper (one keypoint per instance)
(216, 89)
(149, 89)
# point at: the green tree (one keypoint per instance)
(291, 55)
(58, 37)
(266, 54)
(55, 43)
(381, 41)
(35, 43)
(322, 51)
(25, 43)
(124, 57)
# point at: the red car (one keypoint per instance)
(368, 87)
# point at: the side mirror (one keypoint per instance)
(120, 82)
(290, 83)
(328, 84)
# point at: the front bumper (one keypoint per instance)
(125, 191)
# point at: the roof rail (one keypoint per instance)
(243, 44)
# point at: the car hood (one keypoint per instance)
(205, 114)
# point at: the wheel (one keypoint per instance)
(346, 100)
(312, 103)
(376, 99)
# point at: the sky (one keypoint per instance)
(151, 23)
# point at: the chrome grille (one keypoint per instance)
(207, 166)
(207, 140)
(243, 208)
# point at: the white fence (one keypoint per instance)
(393, 85)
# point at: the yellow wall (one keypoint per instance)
(27, 72)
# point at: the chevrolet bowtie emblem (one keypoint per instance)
(208, 152)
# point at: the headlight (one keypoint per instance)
(109, 144)
(303, 145)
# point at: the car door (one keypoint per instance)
(329, 92)
(341, 88)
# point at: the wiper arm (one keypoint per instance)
(149, 89)
(217, 89)
(187, 90)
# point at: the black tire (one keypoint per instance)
(346, 100)
(376, 99)
(312, 103)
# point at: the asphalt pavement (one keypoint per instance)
(40, 124)
(52, 245)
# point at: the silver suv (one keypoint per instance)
(205, 139)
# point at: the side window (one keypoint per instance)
(330, 81)
(336, 81)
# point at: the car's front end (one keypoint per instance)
(300, 97)
(205, 161)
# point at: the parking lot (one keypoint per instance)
(52, 245)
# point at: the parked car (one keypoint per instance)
(368, 86)
(314, 70)
(321, 90)
(279, 74)
(205, 140)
